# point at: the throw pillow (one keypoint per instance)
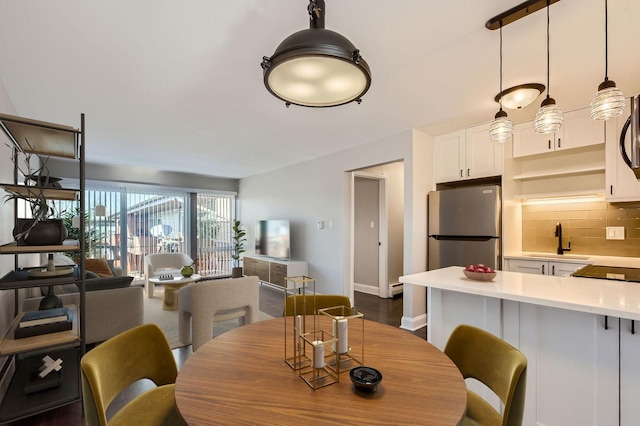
(107, 283)
(99, 266)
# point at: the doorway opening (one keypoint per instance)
(377, 229)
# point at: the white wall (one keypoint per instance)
(319, 190)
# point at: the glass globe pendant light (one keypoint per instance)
(549, 116)
(501, 129)
(609, 101)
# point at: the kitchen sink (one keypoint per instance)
(558, 256)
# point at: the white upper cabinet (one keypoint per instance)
(467, 154)
(621, 182)
(483, 156)
(578, 130)
(449, 157)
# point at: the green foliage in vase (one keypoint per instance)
(238, 242)
(91, 238)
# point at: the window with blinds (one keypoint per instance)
(125, 225)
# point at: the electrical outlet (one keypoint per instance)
(615, 232)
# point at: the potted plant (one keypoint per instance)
(42, 228)
(238, 248)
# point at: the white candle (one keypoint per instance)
(318, 353)
(299, 328)
(342, 334)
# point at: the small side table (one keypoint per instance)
(171, 289)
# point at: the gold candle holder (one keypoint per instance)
(318, 374)
(295, 351)
(345, 322)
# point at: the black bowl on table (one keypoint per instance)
(365, 379)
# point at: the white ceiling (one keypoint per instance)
(177, 85)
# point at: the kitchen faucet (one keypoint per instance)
(561, 250)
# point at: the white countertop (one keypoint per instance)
(597, 296)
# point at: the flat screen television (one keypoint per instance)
(272, 238)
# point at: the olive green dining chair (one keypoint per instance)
(494, 362)
(311, 303)
(139, 353)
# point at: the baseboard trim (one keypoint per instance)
(413, 323)
(367, 289)
(395, 289)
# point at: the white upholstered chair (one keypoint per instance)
(162, 263)
(203, 303)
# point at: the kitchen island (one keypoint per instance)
(578, 335)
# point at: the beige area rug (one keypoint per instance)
(168, 320)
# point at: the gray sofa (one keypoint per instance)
(108, 312)
(112, 304)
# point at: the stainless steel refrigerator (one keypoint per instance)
(464, 227)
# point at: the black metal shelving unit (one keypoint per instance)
(23, 355)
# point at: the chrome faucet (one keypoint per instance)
(561, 250)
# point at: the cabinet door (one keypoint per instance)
(483, 157)
(622, 184)
(527, 142)
(629, 373)
(572, 371)
(277, 273)
(449, 157)
(257, 267)
(579, 130)
(563, 268)
(529, 266)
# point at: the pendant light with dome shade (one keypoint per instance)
(501, 129)
(316, 67)
(549, 116)
(609, 101)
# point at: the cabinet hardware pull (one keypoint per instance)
(549, 143)
(461, 173)
(633, 326)
(468, 172)
(559, 142)
(606, 322)
(542, 269)
(553, 269)
(611, 189)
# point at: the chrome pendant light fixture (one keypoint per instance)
(316, 67)
(549, 116)
(501, 129)
(609, 101)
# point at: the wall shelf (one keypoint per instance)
(559, 173)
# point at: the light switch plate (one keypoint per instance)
(615, 232)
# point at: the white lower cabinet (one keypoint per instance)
(580, 371)
(542, 267)
(629, 373)
(572, 372)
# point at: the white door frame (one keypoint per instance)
(383, 247)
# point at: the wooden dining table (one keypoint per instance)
(241, 378)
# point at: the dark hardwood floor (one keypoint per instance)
(388, 311)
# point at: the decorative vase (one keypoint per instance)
(187, 271)
(50, 301)
(44, 233)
